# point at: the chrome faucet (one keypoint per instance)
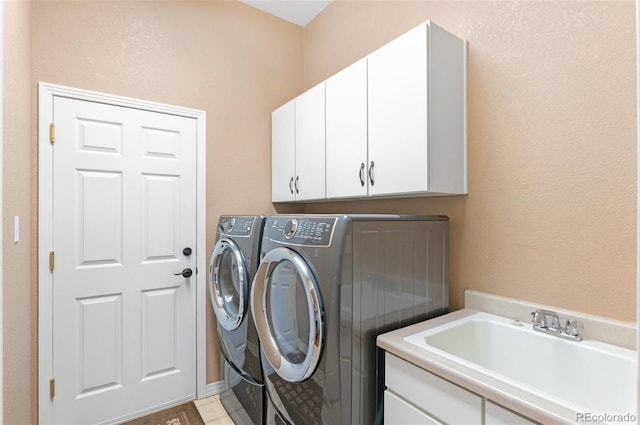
(548, 322)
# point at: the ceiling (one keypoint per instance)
(300, 12)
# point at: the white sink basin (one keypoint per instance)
(586, 376)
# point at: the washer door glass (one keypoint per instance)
(228, 284)
(287, 310)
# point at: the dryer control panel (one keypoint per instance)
(302, 231)
(236, 226)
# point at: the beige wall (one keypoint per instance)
(19, 303)
(233, 61)
(551, 211)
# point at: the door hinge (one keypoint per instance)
(52, 133)
(52, 387)
(52, 260)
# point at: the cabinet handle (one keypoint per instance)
(371, 173)
(296, 185)
(290, 187)
(361, 174)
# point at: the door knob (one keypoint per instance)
(187, 252)
(184, 273)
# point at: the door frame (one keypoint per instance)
(46, 94)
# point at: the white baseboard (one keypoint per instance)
(214, 388)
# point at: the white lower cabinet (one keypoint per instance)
(439, 398)
(498, 415)
(399, 412)
(415, 396)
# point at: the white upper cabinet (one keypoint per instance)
(309, 182)
(398, 115)
(395, 125)
(417, 114)
(298, 148)
(283, 171)
(347, 162)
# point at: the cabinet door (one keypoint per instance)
(283, 153)
(439, 398)
(498, 415)
(399, 412)
(347, 132)
(397, 89)
(310, 144)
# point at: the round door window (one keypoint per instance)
(228, 284)
(288, 314)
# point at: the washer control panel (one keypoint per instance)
(236, 226)
(302, 231)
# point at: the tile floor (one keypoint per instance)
(212, 411)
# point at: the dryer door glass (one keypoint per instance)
(287, 310)
(228, 284)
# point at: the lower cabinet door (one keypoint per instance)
(442, 399)
(498, 415)
(399, 412)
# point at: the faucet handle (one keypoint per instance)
(546, 319)
(536, 318)
(574, 327)
(555, 322)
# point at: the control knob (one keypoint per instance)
(227, 225)
(290, 228)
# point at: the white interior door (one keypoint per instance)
(124, 209)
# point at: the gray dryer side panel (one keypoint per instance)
(399, 276)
